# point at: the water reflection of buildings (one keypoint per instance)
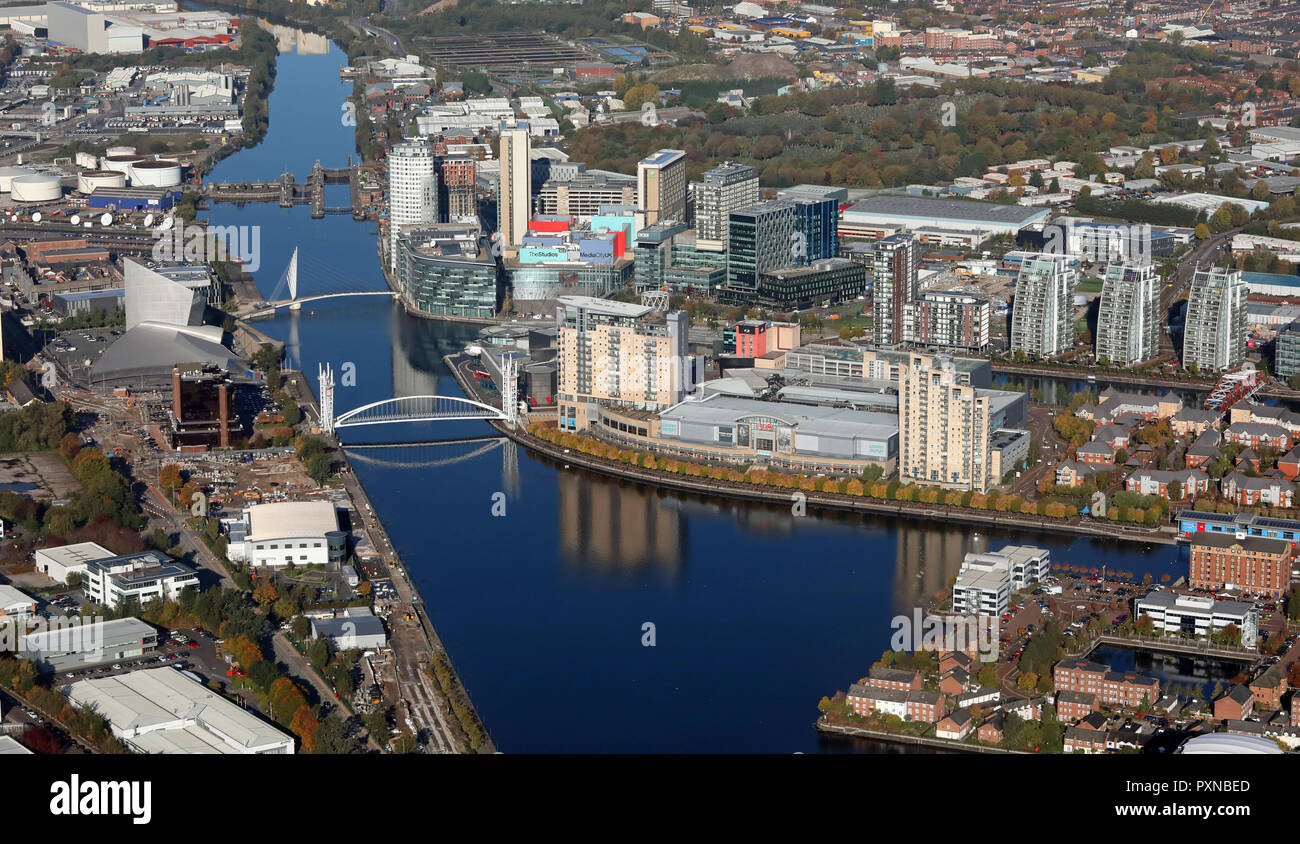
(611, 526)
(418, 349)
(303, 43)
(929, 556)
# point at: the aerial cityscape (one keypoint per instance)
(406, 379)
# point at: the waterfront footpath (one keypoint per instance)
(430, 693)
(727, 488)
(828, 727)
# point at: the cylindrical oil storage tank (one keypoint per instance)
(121, 163)
(40, 187)
(8, 174)
(157, 173)
(91, 179)
(123, 150)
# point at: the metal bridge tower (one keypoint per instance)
(657, 299)
(325, 381)
(510, 389)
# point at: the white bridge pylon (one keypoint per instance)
(289, 283)
(292, 273)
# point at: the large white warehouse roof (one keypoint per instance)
(161, 711)
(292, 518)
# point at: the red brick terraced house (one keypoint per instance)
(1113, 688)
(1071, 706)
(956, 659)
(1096, 454)
(1193, 482)
(892, 678)
(991, 730)
(1235, 705)
(1263, 414)
(925, 706)
(1257, 436)
(955, 726)
(864, 700)
(1249, 492)
(1289, 464)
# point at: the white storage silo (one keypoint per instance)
(91, 179)
(41, 187)
(8, 174)
(122, 163)
(120, 150)
(87, 161)
(158, 173)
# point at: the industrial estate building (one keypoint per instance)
(60, 562)
(879, 216)
(70, 648)
(141, 577)
(297, 533)
(15, 606)
(357, 628)
(160, 710)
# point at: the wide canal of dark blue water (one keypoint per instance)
(756, 614)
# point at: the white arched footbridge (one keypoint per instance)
(433, 408)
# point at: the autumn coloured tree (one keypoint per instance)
(265, 592)
(69, 446)
(284, 699)
(304, 725)
(245, 651)
(170, 479)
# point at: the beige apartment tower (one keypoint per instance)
(618, 354)
(943, 426)
(514, 196)
(661, 186)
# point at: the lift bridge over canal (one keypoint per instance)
(288, 193)
(434, 408)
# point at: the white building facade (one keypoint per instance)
(412, 190)
(298, 533)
